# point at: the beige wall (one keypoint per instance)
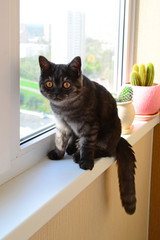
(146, 49)
(154, 223)
(147, 34)
(97, 214)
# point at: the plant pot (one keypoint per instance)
(146, 99)
(126, 114)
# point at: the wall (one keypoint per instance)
(147, 34)
(147, 49)
(97, 213)
(154, 222)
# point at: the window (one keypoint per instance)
(95, 31)
(89, 29)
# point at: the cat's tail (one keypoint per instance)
(126, 171)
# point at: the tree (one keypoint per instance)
(99, 60)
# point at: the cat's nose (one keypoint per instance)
(56, 94)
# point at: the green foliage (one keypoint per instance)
(99, 61)
(29, 68)
(126, 94)
(30, 84)
(30, 97)
(31, 101)
(143, 77)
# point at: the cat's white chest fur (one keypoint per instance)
(65, 126)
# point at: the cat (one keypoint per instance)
(87, 123)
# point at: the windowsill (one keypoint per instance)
(31, 199)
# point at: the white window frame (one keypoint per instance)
(14, 158)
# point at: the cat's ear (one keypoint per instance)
(75, 65)
(44, 63)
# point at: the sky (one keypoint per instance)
(101, 16)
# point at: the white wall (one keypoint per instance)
(147, 34)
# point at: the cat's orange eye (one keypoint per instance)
(49, 84)
(66, 84)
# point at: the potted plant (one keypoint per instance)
(125, 108)
(146, 94)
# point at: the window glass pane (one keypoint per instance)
(61, 30)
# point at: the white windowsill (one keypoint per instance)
(31, 199)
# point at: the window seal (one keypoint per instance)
(20, 156)
(37, 133)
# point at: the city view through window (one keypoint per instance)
(60, 31)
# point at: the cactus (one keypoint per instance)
(142, 77)
(136, 68)
(126, 94)
(142, 73)
(135, 78)
(150, 74)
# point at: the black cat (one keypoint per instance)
(87, 125)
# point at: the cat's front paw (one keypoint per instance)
(83, 163)
(86, 164)
(55, 154)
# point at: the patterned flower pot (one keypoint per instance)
(126, 114)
